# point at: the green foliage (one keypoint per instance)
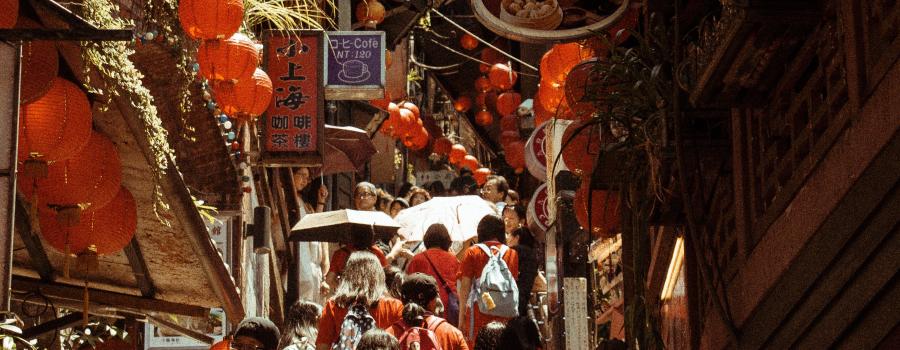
(206, 211)
(119, 78)
(96, 332)
(286, 15)
(11, 335)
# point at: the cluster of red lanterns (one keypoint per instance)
(228, 60)
(403, 123)
(71, 174)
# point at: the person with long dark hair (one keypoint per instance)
(361, 285)
(522, 241)
(313, 261)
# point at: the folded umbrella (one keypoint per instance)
(347, 149)
(459, 214)
(339, 225)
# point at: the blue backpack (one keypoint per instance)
(495, 291)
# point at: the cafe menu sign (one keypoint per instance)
(294, 127)
(354, 65)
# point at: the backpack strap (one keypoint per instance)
(444, 283)
(487, 250)
(433, 322)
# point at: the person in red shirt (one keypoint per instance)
(419, 292)
(363, 283)
(436, 261)
(491, 233)
(360, 240)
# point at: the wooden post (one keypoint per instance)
(10, 55)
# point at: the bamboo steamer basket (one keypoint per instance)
(549, 21)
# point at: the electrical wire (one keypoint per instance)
(475, 59)
(483, 41)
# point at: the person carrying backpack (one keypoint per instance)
(420, 328)
(487, 280)
(359, 305)
(437, 262)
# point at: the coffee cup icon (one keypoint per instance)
(354, 71)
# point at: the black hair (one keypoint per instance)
(436, 188)
(419, 288)
(362, 239)
(261, 329)
(491, 228)
(301, 321)
(404, 189)
(378, 339)
(413, 315)
(310, 194)
(502, 185)
(521, 333)
(403, 203)
(393, 278)
(464, 184)
(519, 209)
(436, 236)
(525, 236)
(488, 337)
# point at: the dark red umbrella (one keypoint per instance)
(347, 149)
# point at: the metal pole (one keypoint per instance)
(10, 70)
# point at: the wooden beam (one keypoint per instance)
(139, 267)
(117, 300)
(52, 325)
(36, 252)
(75, 34)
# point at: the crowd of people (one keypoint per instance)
(390, 294)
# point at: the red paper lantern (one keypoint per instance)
(541, 114)
(481, 175)
(40, 62)
(502, 77)
(420, 139)
(90, 178)
(457, 153)
(407, 122)
(233, 59)
(509, 123)
(557, 62)
(484, 68)
(482, 84)
(370, 12)
(57, 125)
(462, 104)
(469, 161)
(210, 19)
(509, 136)
(515, 155)
(492, 56)
(9, 13)
(412, 107)
(580, 150)
(584, 80)
(442, 146)
(248, 97)
(508, 102)
(484, 118)
(551, 97)
(468, 42)
(604, 209)
(108, 229)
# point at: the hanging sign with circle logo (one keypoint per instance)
(354, 65)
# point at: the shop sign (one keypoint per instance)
(425, 178)
(293, 126)
(163, 338)
(539, 208)
(354, 65)
(536, 159)
(576, 313)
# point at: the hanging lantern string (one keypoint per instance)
(475, 59)
(482, 40)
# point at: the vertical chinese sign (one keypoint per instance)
(294, 126)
